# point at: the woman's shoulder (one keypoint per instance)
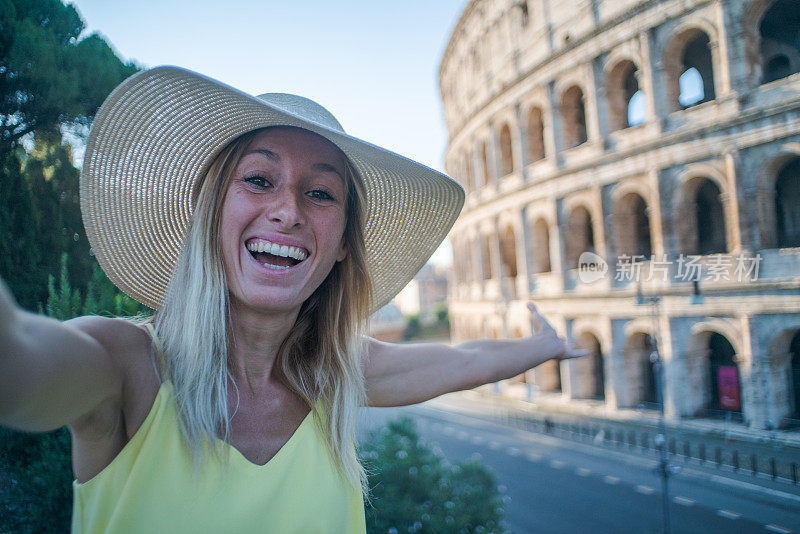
(127, 341)
(113, 333)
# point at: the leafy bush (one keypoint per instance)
(414, 489)
(412, 327)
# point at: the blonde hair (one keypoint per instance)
(320, 358)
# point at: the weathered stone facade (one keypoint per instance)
(573, 128)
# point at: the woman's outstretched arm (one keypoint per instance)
(51, 373)
(398, 375)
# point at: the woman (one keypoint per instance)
(263, 236)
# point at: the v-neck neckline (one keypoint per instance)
(285, 448)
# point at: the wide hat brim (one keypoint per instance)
(157, 133)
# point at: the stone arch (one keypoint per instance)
(535, 126)
(640, 383)
(506, 150)
(548, 376)
(508, 252)
(632, 226)
(784, 366)
(787, 204)
(580, 234)
(766, 200)
(486, 256)
(622, 83)
(794, 373)
(590, 369)
(484, 158)
(713, 371)
(778, 41)
(541, 246)
(689, 48)
(701, 215)
(573, 116)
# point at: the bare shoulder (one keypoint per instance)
(129, 347)
(111, 332)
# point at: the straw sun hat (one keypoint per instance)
(158, 132)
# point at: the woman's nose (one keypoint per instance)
(285, 208)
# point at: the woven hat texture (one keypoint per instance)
(157, 133)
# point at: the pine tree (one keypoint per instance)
(20, 254)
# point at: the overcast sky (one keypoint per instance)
(373, 64)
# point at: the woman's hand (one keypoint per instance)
(547, 343)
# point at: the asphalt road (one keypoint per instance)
(554, 485)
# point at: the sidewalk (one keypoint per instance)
(770, 458)
(550, 404)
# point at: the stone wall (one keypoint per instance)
(662, 136)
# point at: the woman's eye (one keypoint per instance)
(257, 181)
(320, 194)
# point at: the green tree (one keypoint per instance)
(103, 298)
(412, 327)
(50, 79)
(19, 224)
(48, 76)
(54, 183)
(416, 490)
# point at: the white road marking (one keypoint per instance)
(582, 471)
(685, 501)
(557, 464)
(608, 479)
(728, 514)
(645, 490)
(755, 488)
(772, 527)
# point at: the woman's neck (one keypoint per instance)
(256, 338)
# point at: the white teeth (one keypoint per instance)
(277, 250)
(296, 253)
(269, 265)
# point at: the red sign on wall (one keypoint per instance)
(728, 387)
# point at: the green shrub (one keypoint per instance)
(415, 490)
(412, 327)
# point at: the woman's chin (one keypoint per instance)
(267, 303)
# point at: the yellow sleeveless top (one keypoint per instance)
(149, 486)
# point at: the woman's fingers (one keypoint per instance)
(546, 328)
(543, 324)
(574, 353)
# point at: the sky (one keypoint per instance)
(373, 64)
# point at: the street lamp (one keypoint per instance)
(663, 469)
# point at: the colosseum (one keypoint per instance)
(633, 167)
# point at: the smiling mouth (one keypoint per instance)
(276, 256)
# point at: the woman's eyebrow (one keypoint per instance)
(327, 167)
(266, 152)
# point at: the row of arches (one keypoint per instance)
(710, 379)
(689, 70)
(700, 215)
